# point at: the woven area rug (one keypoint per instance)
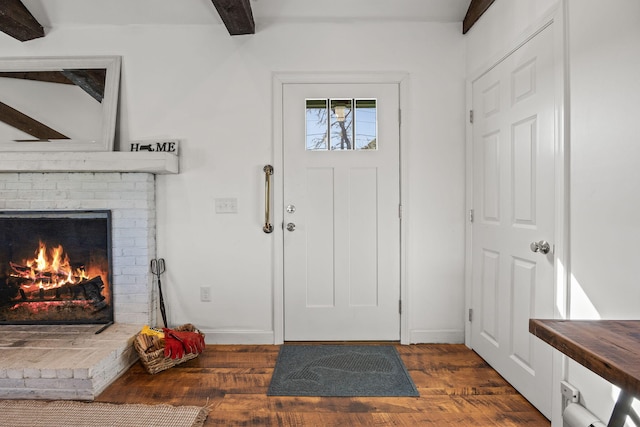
(31, 413)
(340, 370)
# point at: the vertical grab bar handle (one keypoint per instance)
(268, 171)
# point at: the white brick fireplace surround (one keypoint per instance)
(67, 361)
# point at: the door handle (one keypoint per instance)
(268, 171)
(541, 246)
(291, 226)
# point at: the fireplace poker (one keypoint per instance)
(157, 268)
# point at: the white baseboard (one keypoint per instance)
(214, 336)
(443, 336)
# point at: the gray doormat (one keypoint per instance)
(340, 370)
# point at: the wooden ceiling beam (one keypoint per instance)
(236, 15)
(18, 22)
(475, 11)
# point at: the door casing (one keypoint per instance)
(279, 80)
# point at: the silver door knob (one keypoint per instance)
(541, 246)
(291, 226)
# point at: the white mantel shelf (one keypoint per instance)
(94, 161)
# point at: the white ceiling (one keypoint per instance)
(57, 13)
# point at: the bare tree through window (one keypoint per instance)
(334, 124)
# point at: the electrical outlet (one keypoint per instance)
(205, 293)
(226, 205)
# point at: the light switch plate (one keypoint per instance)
(226, 205)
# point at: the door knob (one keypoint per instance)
(291, 226)
(541, 246)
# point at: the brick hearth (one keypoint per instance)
(62, 361)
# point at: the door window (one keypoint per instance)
(341, 124)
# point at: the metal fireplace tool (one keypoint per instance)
(157, 268)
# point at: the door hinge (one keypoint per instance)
(400, 211)
(471, 116)
(399, 116)
(470, 215)
(471, 315)
(400, 306)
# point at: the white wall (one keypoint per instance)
(214, 92)
(604, 52)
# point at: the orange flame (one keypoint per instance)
(50, 269)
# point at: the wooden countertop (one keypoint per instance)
(610, 348)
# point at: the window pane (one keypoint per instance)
(366, 124)
(341, 124)
(317, 126)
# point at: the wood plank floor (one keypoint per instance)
(457, 388)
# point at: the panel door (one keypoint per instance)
(513, 201)
(341, 212)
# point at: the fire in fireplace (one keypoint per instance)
(55, 267)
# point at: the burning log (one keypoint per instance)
(27, 275)
(93, 292)
(48, 287)
(49, 267)
(85, 290)
(8, 290)
(20, 269)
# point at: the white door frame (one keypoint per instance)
(556, 17)
(279, 80)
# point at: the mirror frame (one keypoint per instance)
(109, 102)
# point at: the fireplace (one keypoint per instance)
(58, 361)
(55, 267)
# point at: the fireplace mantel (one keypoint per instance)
(101, 161)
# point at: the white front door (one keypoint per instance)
(341, 212)
(513, 202)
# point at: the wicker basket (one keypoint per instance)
(151, 351)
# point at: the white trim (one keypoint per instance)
(279, 80)
(405, 294)
(443, 336)
(562, 253)
(278, 190)
(213, 336)
(556, 17)
(90, 161)
(468, 231)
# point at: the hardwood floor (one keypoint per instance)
(457, 388)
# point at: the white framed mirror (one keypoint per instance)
(58, 103)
